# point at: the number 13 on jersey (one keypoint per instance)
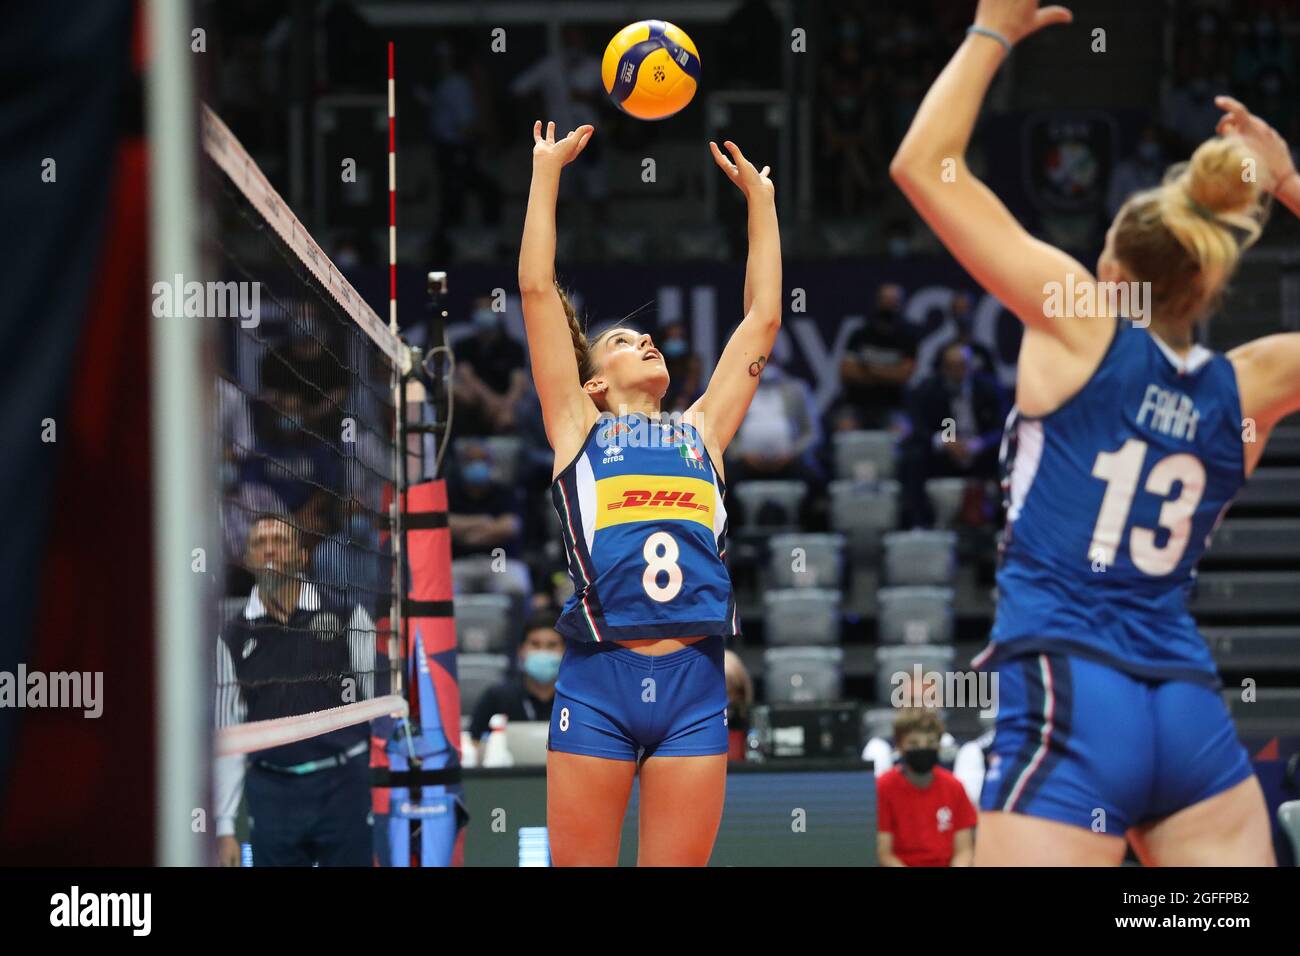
(1121, 471)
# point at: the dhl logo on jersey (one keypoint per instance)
(624, 498)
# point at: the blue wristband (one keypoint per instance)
(993, 34)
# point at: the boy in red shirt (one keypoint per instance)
(923, 816)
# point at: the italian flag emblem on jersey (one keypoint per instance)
(690, 452)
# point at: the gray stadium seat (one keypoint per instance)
(863, 511)
(1274, 711)
(820, 565)
(484, 623)
(1261, 647)
(1288, 815)
(802, 674)
(1258, 538)
(506, 452)
(945, 496)
(920, 557)
(787, 496)
(1270, 488)
(915, 615)
(902, 658)
(800, 616)
(863, 455)
(879, 722)
(476, 673)
(1247, 593)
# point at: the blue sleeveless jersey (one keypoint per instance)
(644, 528)
(1111, 501)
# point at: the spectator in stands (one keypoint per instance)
(486, 521)
(1144, 169)
(850, 133)
(740, 701)
(490, 377)
(529, 693)
(982, 361)
(780, 435)
(290, 652)
(956, 419)
(455, 122)
(685, 383)
(878, 360)
(308, 381)
(923, 815)
(571, 89)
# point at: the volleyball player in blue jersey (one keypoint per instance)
(1123, 452)
(640, 500)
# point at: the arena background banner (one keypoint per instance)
(824, 303)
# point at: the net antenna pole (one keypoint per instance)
(401, 480)
(182, 489)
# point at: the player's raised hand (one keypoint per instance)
(750, 181)
(1016, 19)
(550, 153)
(1262, 140)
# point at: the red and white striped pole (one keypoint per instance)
(392, 196)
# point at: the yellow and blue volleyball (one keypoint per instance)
(650, 69)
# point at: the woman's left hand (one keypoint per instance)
(741, 171)
(1016, 19)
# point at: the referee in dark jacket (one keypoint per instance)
(295, 650)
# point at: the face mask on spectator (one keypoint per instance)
(898, 247)
(485, 320)
(674, 348)
(542, 666)
(922, 760)
(477, 472)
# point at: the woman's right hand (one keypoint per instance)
(550, 154)
(1261, 139)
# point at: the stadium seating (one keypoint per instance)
(803, 674)
(806, 560)
(863, 455)
(478, 672)
(920, 557)
(915, 615)
(801, 616)
(484, 624)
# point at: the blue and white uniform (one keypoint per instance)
(644, 525)
(1108, 694)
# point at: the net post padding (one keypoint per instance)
(246, 738)
(423, 824)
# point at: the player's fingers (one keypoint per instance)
(537, 131)
(582, 144)
(735, 152)
(1233, 107)
(1050, 16)
(723, 163)
(766, 170)
(550, 132)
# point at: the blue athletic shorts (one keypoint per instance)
(1083, 743)
(612, 702)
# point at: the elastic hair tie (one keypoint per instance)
(991, 34)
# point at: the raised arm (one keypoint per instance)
(720, 410)
(930, 168)
(1268, 369)
(567, 412)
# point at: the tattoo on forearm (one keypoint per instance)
(756, 367)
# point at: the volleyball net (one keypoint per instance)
(306, 379)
